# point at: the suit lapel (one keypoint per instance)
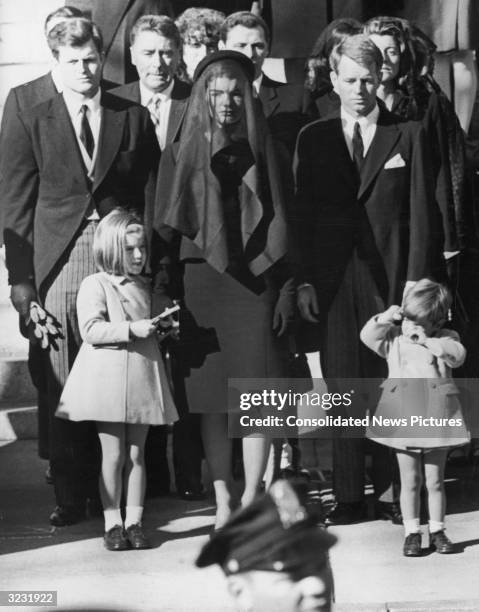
(63, 138)
(269, 97)
(385, 138)
(111, 134)
(177, 112)
(131, 92)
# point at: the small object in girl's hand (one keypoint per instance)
(166, 313)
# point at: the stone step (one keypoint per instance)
(18, 423)
(16, 387)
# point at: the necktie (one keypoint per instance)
(154, 108)
(358, 146)
(86, 135)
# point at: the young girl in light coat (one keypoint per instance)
(118, 378)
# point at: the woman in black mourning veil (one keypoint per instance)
(220, 191)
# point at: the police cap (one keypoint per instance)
(274, 533)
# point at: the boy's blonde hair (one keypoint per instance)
(427, 299)
(110, 240)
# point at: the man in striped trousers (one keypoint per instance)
(72, 159)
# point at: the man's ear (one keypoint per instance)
(221, 45)
(334, 79)
(240, 590)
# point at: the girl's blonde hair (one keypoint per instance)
(110, 240)
(427, 299)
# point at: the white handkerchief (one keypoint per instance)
(395, 162)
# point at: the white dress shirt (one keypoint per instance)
(257, 85)
(367, 124)
(147, 97)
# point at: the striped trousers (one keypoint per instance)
(73, 446)
(345, 356)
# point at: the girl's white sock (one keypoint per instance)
(412, 526)
(435, 526)
(112, 518)
(133, 515)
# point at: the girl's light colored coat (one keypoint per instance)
(114, 378)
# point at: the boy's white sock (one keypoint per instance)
(112, 518)
(412, 526)
(435, 526)
(133, 515)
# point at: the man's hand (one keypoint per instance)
(308, 303)
(283, 312)
(21, 295)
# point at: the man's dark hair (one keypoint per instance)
(64, 11)
(245, 19)
(161, 24)
(358, 48)
(74, 33)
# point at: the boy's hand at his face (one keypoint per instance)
(392, 315)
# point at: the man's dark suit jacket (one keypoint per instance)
(388, 215)
(179, 101)
(20, 98)
(115, 20)
(283, 107)
(29, 95)
(46, 192)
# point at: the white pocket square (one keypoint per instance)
(395, 162)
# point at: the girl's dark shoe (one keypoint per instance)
(439, 542)
(114, 539)
(412, 545)
(136, 537)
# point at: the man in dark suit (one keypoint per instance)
(20, 98)
(156, 54)
(115, 20)
(282, 102)
(366, 226)
(72, 159)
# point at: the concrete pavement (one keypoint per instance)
(370, 572)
